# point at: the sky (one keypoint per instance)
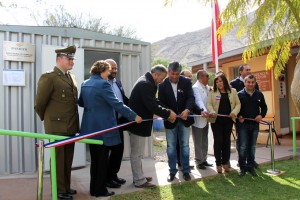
(151, 20)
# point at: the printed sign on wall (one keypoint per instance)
(14, 77)
(263, 78)
(18, 51)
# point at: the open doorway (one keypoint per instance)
(90, 57)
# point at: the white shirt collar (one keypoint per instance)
(241, 78)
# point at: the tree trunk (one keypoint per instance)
(295, 87)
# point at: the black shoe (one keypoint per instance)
(187, 177)
(113, 184)
(171, 177)
(253, 172)
(119, 180)
(64, 196)
(205, 163)
(71, 191)
(106, 194)
(255, 164)
(201, 166)
(242, 173)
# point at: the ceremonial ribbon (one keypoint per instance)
(250, 119)
(80, 137)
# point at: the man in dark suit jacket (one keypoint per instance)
(56, 105)
(238, 84)
(176, 93)
(143, 101)
(116, 151)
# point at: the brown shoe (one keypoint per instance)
(219, 169)
(149, 179)
(226, 168)
(146, 185)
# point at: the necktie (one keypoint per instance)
(68, 76)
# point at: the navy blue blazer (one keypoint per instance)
(100, 105)
(185, 99)
(125, 98)
(122, 120)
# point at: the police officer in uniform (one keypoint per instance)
(56, 105)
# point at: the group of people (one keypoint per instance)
(106, 105)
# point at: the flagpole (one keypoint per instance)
(215, 35)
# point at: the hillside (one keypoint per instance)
(193, 46)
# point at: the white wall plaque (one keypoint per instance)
(18, 51)
(14, 77)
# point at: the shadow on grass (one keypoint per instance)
(230, 186)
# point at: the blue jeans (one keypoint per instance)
(247, 134)
(183, 133)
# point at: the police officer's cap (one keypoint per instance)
(68, 51)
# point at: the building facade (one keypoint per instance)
(276, 91)
(19, 154)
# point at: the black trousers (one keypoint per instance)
(222, 132)
(98, 171)
(64, 159)
(115, 158)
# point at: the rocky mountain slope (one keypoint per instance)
(193, 46)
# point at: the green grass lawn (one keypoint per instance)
(230, 186)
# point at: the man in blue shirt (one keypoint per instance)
(116, 152)
(253, 106)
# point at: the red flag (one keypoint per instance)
(216, 23)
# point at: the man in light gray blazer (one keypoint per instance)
(200, 127)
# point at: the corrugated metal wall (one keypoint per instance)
(17, 154)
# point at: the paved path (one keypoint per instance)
(24, 187)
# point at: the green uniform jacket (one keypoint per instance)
(56, 103)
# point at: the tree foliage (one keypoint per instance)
(165, 62)
(272, 29)
(124, 32)
(62, 18)
(159, 60)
